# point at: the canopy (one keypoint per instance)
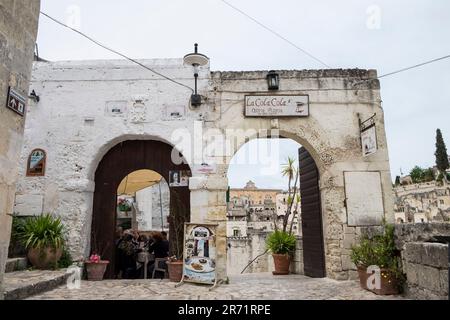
(138, 180)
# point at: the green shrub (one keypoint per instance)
(42, 231)
(378, 250)
(16, 248)
(66, 259)
(280, 242)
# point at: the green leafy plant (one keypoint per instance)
(281, 242)
(42, 231)
(379, 250)
(66, 259)
(16, 247)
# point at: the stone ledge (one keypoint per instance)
(16, 264)
(23, 284)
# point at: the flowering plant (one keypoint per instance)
(94, 258)
(124, 205)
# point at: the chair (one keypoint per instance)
(157, 266)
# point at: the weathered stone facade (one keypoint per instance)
(18, 31)
(76, 128)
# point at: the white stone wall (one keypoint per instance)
(18, 31)
(149, 204)
(241, 226)
(74, 124)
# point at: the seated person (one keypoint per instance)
(160, 248)
(127, 257)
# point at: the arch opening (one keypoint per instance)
(122, 171)
(262, 199)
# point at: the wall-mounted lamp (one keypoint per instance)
(195, 60)
(273, 80)
(34, 96)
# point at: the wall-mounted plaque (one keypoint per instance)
(15, 102)
(179, 178)
(36, 163)
(116, 108)
(199, 256)
(174, 113)
(277, 106)
(204, 168)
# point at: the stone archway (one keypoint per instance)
(119, 161)
(310, 256)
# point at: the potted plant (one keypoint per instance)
(95, 267)
(378, 252)
(124, 205)
(43, 237)
(175, 269)
(281, 244)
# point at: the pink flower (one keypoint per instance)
(94, 258)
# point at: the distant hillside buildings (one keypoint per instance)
(422, 202)
(251, 215)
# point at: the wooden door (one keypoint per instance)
(311, 215)
(120, 161)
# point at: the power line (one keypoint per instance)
(116, 52)
(276, 34)
(414, 66)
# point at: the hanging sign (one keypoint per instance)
(199, 256)
(277, 106)
(368, 137)
(15, 102)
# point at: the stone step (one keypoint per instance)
(23, 284)
(16, 264)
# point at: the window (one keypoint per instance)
(441, 201)
(36, 163)
(236, 232)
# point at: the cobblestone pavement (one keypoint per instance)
(262, 286)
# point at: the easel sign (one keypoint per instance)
(199, 255)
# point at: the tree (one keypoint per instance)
(441, 153)
(290, 171)
(416, 174)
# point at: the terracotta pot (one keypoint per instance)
(175, 270)
(362, 273)
(96, 270)
(388, 282)
(282, 263)
(46, 258)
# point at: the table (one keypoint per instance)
(145, 257)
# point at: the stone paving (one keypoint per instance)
(261, 286)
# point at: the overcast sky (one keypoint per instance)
(382, 35)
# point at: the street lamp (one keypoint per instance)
(196, 60)
(273, 80)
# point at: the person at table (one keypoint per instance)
(160, 248)
(127, 257)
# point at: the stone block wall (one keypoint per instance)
(18, 31)
(297, 264)
(426, 268)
